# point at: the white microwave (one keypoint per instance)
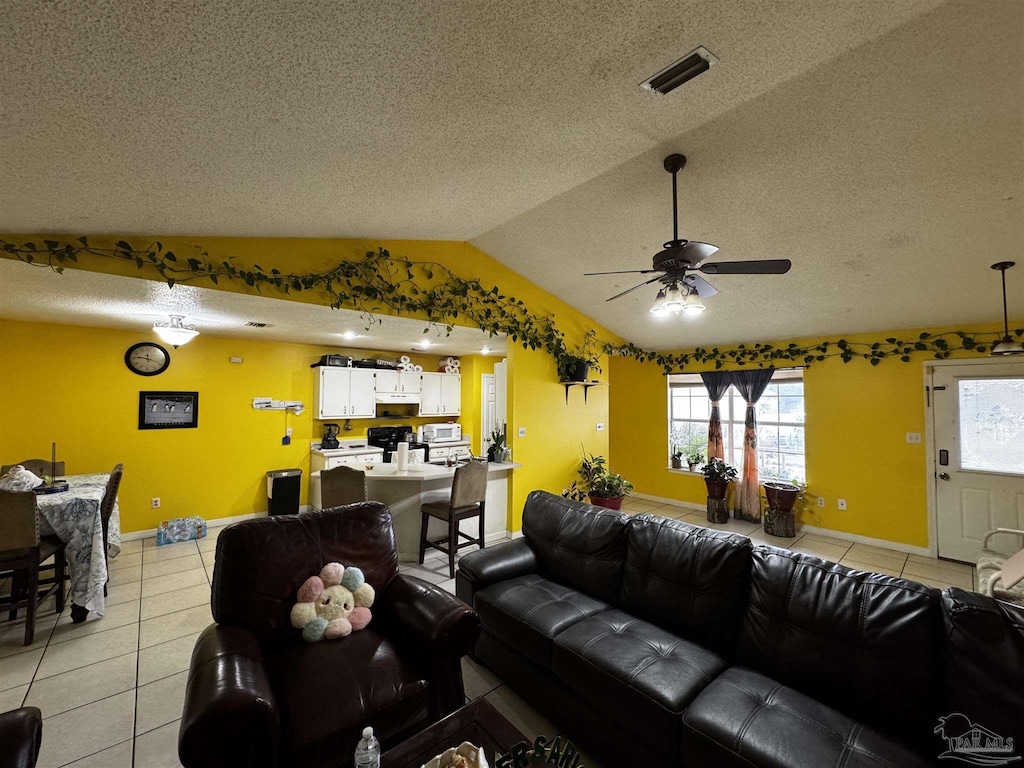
(440, 433)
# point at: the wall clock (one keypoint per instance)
(147, 359)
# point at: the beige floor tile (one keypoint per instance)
(160, 703)
(124, 576)
(741, 527)
(178, 600)
(957, 578)
(448, 586)
(886, 558)
(130, 547)
(78, 687)
(19, 669)
(209, 560)
(158, 748)
(119, 615)
(851, 563)
(478, 679)
(673, 511)
(827, 540)
(119, 756)
(831, 552)
(166, 659)
(949, 565)
(758, 536)
(87, 730)
(175, 581)
(12, 698)
(525, 718)
(174, 625)
(432, 571)
(695, 518)
(82, 651)
(124, 561)
(124, 593)
(641, 505)
(171, 552)
(168, 567)
(929, 582)
(12, 634)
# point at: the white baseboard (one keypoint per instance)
(802, 529)
(218, 522)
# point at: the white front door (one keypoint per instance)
(488, 423)
(977, 453)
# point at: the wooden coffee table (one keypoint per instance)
(478, 723)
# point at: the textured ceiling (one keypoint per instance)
(88, 298)
(891, 176)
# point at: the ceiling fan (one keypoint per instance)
(677, 264)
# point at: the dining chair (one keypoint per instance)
(37, 467)
(107, 509)
(469, 492)
(23, 551)
(342, 485)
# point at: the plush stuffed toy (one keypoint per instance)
(333, 604)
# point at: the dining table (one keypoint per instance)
(75, 517)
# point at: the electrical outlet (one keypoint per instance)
(841, 503)
(288, 431)
(914, 438)
(821, 502)
(521, 432)
(600, 426)
(156, 502)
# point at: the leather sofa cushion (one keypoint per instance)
(328, 691)
(745, 719)
(640, 676)
(528, 611)
(262, 563)
(576, 544)
(983, 661)
(865, 644)
(690, 580)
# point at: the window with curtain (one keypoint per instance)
(780, 422)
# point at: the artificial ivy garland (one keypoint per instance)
(380, 281)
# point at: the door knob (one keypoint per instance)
(943, 475)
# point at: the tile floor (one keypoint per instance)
(111, 689)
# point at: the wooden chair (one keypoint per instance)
(107, 509)
(38, 467)
(469, 492)
(23, 550)
(342, 485)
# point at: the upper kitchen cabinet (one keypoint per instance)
(441, 394)
(397, 382)
(344, 393)
(362, 400)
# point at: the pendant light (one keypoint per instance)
(659, 304)
(694, 306)
(1006, 345)
(175, 332)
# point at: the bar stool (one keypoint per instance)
(342, 485)
(469, 491)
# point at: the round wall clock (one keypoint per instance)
(147, 359)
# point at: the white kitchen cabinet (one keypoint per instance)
(409, 382)
(397, 382)
(387, 381)
(344, 393)
(440, 394)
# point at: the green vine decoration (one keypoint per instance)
(380, 282)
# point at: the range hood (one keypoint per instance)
(397, 397)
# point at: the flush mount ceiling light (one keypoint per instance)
(1006, 345)
(678, 72)
(485, 350)
(175, 332)
(350, 335)
(426, 344)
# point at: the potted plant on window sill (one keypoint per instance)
(694, 460)
(604, 487)
(677, 457)
(717, 476)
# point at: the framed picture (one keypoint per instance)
(168, 410)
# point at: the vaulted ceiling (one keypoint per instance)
(878, 145)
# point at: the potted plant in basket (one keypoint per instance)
(694, 460)
(780, 497)
(717, 476)
(604, 487)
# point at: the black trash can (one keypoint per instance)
(283, 491)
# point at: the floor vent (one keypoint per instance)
(675, 74)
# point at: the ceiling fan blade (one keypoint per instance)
(704, 289)
(766, 267)
(635, 287)
(694, 252)
(622, 272)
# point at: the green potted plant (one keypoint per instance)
(677, 457)
(717, 476)
(604, 487)
(499, 439)
(780, 497)
(694, 460)
(575, 366)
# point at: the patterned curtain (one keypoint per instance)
(751, 385)
(716, 383)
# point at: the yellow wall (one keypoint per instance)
(857, 417)
(536, 400)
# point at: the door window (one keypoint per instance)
(992, 425)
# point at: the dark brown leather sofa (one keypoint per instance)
(257, 695)
(658, 643)
(21, 735)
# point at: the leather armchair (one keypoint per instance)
(21, 735)
(257, 695)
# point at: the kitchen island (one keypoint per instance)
(405, 492)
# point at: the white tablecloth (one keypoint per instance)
(74, 516)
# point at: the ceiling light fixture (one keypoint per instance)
(659, 304)
(1006, 345)
(350, 335)
(175, 332)
(675, 74)
(485, 350)
(694, 306)
(426, 344)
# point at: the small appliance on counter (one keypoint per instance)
(448, 432)
(330, 438)
(388, 438)
(339, 361)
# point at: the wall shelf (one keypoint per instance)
(586, 387)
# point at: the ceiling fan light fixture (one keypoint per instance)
(674, 299)
(659, 303)
(1006, 345)
(694, 306)
(694, 63)
(176, 333)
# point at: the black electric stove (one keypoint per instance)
(388, 438)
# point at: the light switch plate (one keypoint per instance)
(914, 438)
(600, 426)
(521, 432)
(821, 501)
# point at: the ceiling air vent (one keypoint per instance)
(253, 324)
(674, 75)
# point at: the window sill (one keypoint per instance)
(695, 473)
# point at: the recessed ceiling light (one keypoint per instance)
(426, 344)
(675, 74)
(485, 350)
(350, 335)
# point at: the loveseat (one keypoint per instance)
(257, 695)
(658, 643)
